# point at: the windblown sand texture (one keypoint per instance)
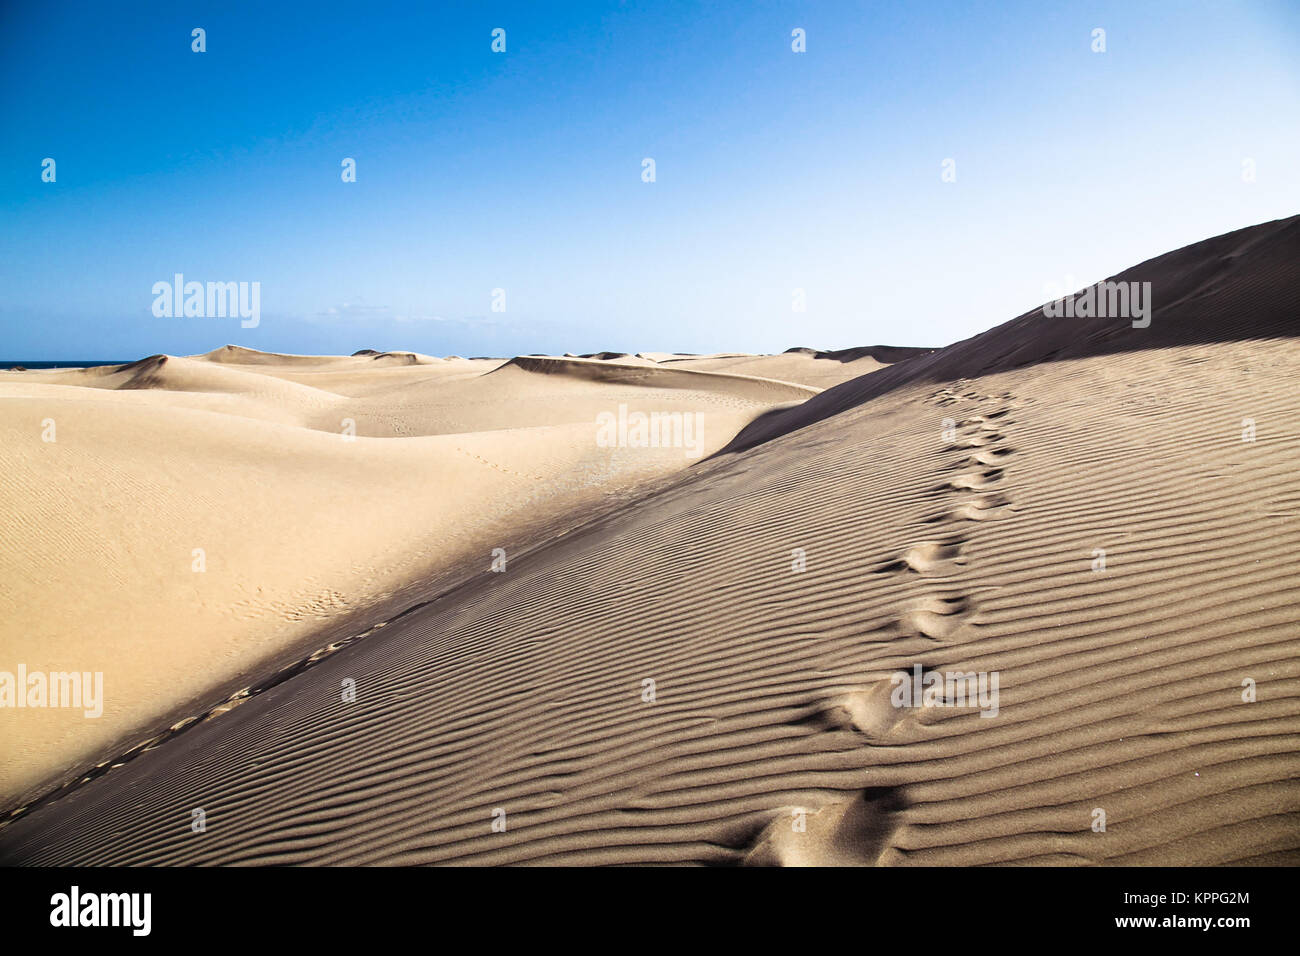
(304, 538)
(965, 545)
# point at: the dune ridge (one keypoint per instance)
(748, 386)
(1202, 295)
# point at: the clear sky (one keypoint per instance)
(522, 170)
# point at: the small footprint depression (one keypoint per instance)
(980, 508)
(989, 456)
(937, 618)
(975, 480)
(869, 711)
(928, 558)
(856, 832)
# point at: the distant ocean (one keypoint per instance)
(69, 363)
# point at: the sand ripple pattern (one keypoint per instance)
(1120, 689)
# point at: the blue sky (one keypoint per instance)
(775, 170)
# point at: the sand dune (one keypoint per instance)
(751, 387)
(702, 673)
(1234, 286)
(314, 492)
(366, 358)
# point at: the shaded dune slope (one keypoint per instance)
(968, 546)
(1242, 284)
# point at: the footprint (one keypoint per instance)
(987, 421)
(989, 456)
(856, 832)
(869, 712)
(937, 618)
(928, 557)
(981, 508)
(974, 480)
